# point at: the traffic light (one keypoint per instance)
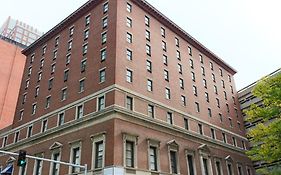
(22, 158)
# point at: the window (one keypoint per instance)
(165, 60)
(178, 55)
(57, 41)
(164, 46)
(105, 7)
(183, 100)
(148, 50)
(63, 94)
(224, 137)
(129, 54)
(234, 141)
(38, 166)
(129, 76)
(129, 22)
(215, 89)
(71, 31)
(39, 76)
(221, 74)
(213, 135)
(243, 145)
(163, 33)
(177, 42)
(186, 125)
(29, 71)
(206, 166)
(44, 125)
(153, 158)
(50, 83)
(130, 154)
(167, 93)
(197, 107)
(44, 50)
(53, 68)
(48, 101)
(83, 65)
(222, 84)
(193, 76)
(37, 91)
(170, 118)
(41, 63)
(5, 141)
(104, 22)
(147, 21)
(81, 85)
(149, 85)
(103, 54)
(174, 162)
(104, 37)
(231, 89)
(99, 154)
(61, 118)
(213, 77)
(218, 167)
(148, 66)
(150, 111)
(33, 109)
(180, 68)
(29, 131)
(207, 96)
(227, 108)
(147, 35)
(87, 20)
(69, 45)
(79, 111)
(229, 168)
(129, 38)
(24, 98)
(218, 102)
(194, 88)
(201, 58)
(209, 112)
(55, 54)
(101, 103)
(225, 95)
(203, 70)
(166, 75)
(17, 134)
(26, 84)
(129, 103)
(189, 50)
(230, 122)
(190, 163)
(129, 7)
(86, 34)
(240, 172)
(55, 166)
(75, 158)
(181, 83)
(67, 59)
(66, 73)
(191, 63)
(102, 76)
(211, 66)
(21, 115)
(205, 83)
(32, 58)
(229, 78)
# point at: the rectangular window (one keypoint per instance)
(29, 71)
(65, 77)
(53, 68)
(130, 154)
(225, 95)
(71, 31)
(200, 128)
(44, 125)
(148, 50)
(209, 112)
(178, 55)
(34, 106)
(32, 58)
(67, 59)
(105, 8)
(29, 131)
(44, 50)
(174, 163)
(193, 76)
(203, 70)
(129, 7)
(129, 76)
(38, 167)
(177, 42)
(129, 38)
(103, 54)
(55, 54)
(48, 101)
(218, 168)
(153, 158)
(189, 50)
(99, 154)
(86, 34)
(166, 75)
(83, 65)
(194, 88)
(150, 111)
(234, 141)
(129, 22)
(101, 103)
(69, 45)
(148, 66)
(147, 21)
(205, 166)
(224, 137)
(215, 89)
(167, 93)
(240, 171)
(213, 134)
(37, 89)
(57, 41)
(50, 83)
(229, 78)
(147, 35)
(190, 162)
(165, 60)
(17, 134)
(186, 125)
(180, 68)
(39, 76)
(229, 169)
(163, 33)
(205, 83)
(149, 85)
(183, 100)
(79, 111)
(207, 97)
(197, 107)
(170, 118)
(41, 63)
(75, 159)
(61, 119)
(181, 83)
(218, 102)
(102, 75)
(129, 103)
(164, 46)
(222, 84)
(129, 54)
(201, 58)
(81, 85)
(104, 37)
(221, 74)
(55, 166)
(227, 108)
(104, 22)
(191, 63)
(211, 66)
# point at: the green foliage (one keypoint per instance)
(266, 136)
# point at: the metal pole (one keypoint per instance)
(86, 169)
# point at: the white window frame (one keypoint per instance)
(100, 137)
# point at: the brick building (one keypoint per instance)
(11, 70)
(120, 87)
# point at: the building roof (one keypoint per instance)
(146, 7)
(12, 42)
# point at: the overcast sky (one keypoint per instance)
(244, 33)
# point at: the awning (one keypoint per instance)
(8, 169)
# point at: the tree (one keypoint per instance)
(266, 136)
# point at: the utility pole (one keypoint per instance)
(85, 167)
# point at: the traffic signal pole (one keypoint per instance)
(85, 167)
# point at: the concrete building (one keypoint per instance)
(19, 31)
(120, 87)
(246, 99)
(11, 70)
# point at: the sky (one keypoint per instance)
(246, 34)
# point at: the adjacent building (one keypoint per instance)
(246, 99)
(12, 63)
(19, 31)
(120, 87)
